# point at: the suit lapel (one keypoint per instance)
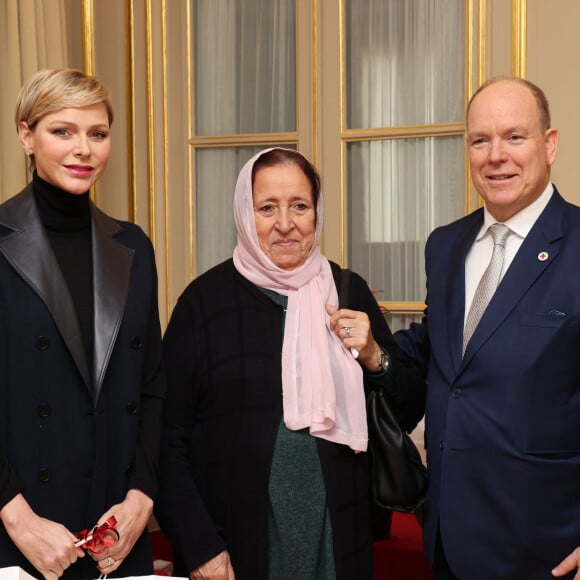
(28, 250)
(455, 291)
(545, 237)
(112, 264)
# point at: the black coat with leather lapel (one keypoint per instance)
(71, 433)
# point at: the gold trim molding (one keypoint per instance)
(402, 307)
(88, 37)
(88, 27)
(131, 109)
(315, 79)
(246, 139)
(150, 118)
(481, 43)
(442, 129)
(519, 37)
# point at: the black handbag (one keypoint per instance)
(398, 477)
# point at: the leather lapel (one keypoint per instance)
(28, 250)
(112, 264)
(545, 236)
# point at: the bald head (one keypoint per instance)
(538, 94)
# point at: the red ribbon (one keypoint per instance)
(99, 537)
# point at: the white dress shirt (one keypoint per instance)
(479, 255)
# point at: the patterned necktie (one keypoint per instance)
(488, 283)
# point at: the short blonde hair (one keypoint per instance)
(54, 89)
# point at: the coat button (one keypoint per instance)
(136, 343)
(131, 408)
(44, 410)
(42, 342)
(457, 392)
(44, 475)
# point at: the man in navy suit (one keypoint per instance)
(503, 408)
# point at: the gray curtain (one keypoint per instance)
(32, 37)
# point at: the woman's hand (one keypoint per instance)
(47, 545)
(568, 565)
(218, 568)
(132, 515)
(354, 329)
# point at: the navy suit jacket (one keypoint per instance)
(503, 422)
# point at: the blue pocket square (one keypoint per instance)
(556, 313)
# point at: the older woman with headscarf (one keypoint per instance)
(264, 470)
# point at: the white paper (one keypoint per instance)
(17, 573)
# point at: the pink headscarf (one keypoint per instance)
(322, 384)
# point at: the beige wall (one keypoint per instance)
(554, 63)
(552, 60)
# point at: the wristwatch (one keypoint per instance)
(384, 360)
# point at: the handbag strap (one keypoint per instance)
(344, 289)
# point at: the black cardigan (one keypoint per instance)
(222, 354)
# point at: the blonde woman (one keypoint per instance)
(81, 389)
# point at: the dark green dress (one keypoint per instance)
(300, 531)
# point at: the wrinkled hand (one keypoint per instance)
(358, 336)
(218, 568)
(47, 545)
(132, 515)
(569, 564)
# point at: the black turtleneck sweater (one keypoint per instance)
(67, 220)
